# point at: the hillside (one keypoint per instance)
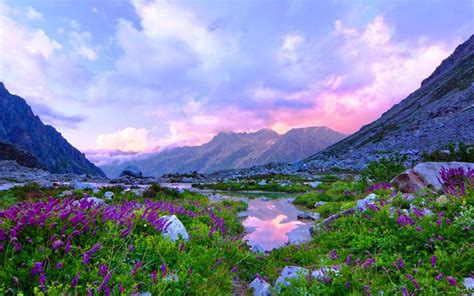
(20, 127)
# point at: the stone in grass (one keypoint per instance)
(66, 193)
(96, 201)
(362, 204)
(319, 203)
(257, 249)
(260, 287)
(108, 195)
(174, 229)
(308, 216)
(469, 283)
(294, 272)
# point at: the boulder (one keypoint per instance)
(469, 283)
(131, 171)
(319, 203)
(260, 287)
(77, 185)
(293, 272)
(96, 201)
(66, 193)
(174, 229)
(108, 195)
(314, 184)
(425, 175)
(308, 215)
(363, 203)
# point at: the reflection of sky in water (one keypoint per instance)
(270, 223)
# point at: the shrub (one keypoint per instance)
(460, 152)
(384, 169)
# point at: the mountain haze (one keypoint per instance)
(23, 129)
(234, 150)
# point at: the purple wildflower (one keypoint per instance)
(131, 248)
(136, 266)
(348, 260)
(401, 263)
(75, 280)
(333, 254)
(103, 268)
(433, 261)
(59, 265)
(57, 244)
(103, 285)
(233, 269)
(452, 281)
(163, 269)
(153, 276)
(37, 268)
(439, 277)
(42, 280)
(412, 279)
(217, 264)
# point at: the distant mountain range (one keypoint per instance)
(440, 112)
(234, 150)
(24, 136)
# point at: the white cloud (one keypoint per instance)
(80, 43)
(289, 49)
(34, 15)
(128, 139)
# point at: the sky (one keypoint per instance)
(120, 77)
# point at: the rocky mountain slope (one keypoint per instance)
(441, 111)
(234, 150)
(20, 127)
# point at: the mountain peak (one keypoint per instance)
(19, 126)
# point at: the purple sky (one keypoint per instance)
(143, 74)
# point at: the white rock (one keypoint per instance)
(308, 215)
(262, 183)
(95, 200)
(363, 203)
(108, 195)
(469, 283)
(313, 184)
(425, 175)
(174, 229)
(288, 273)
(77, 185)
(319, 203)
(260, 287)
(66, 193)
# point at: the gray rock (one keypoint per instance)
(309, 215)
(362, 204)
(131, 171)
(108, 195)
(319, 203)
(174, 229)
(469, 283)
(425, 175)
(78, 185)
(260, 287)
(313, 184)
(288, 273)
(96, 201)
(66, 193)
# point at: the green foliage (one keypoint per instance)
(384, 169)
(460, 152)
(271, 186)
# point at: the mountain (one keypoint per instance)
(23, 129)
(440, 112)
(234, 150)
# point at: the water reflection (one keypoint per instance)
(273, 223)
(270, 222)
